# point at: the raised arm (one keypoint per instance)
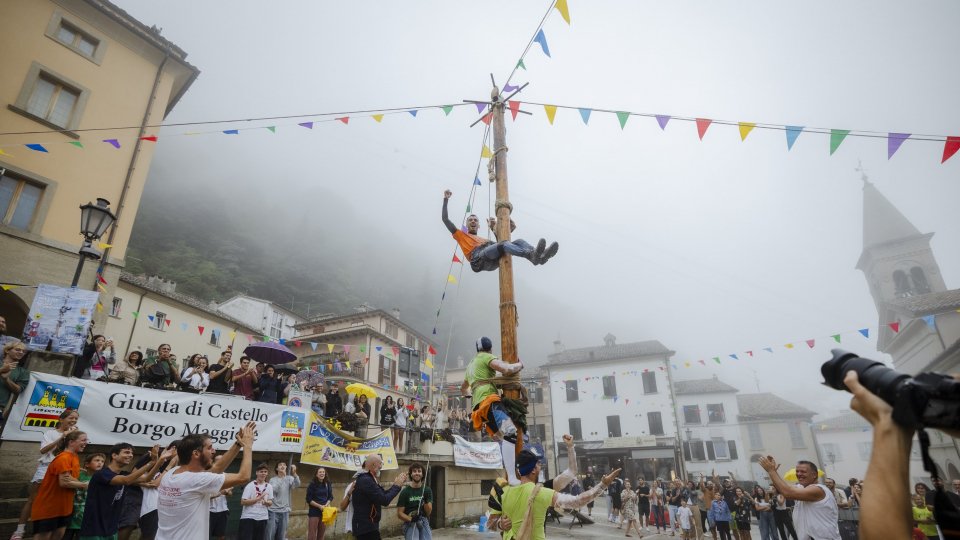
(573, 502)
(570, 473)
(245, 438)
(810, 493)
(443, 215)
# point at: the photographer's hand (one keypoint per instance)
(885, 507)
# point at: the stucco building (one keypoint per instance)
(268, 318)
(773, 426)
(70, 66)
(708, 413)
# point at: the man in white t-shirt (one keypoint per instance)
(815, 514)
(184, 506)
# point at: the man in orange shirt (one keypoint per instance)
(484, 254)
(54, 503)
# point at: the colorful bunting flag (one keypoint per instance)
(485, 153)
(811, 343)
(104, 245)
(702, 362)
(151, 138)
(396, 351)
(346, 349)
(78, 144)
(622, 117)
(112, 142)
(508, 88)
(481, 107)
(456, 260)
(273, 129)
(308, 125)
(836, 138)
(330, 347)
(789, 345)
(551, 111)
(344, 119)
(662, 119)
(561, 6)
(447, 109)
(514, 108)
(894, 140)
(476, 181)
(950, 147)
(745, 129)
(200, 328)
(792, 133)
(231, 132)
(168, 323)
(431, 350)
(865, 332)
(836, 337)
(413, 113)
(734, 357)
(487, 118)
(36, 147)
(150, 318)
(542, 40)
(930, 320)
(702, 125)
(184, 326)
(895, 326)
(451, 279)
(135, 314)
(232, 335)
(585, 115)
(313, 346)
(377, 118)
(99, 306)
(521, 65)
(768, 349)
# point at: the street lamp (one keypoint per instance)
(95, 219)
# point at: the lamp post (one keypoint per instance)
(95, 219)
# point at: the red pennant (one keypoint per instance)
(661, 368)
(486, 119)
(297, 342)
(702, 362)
(431, 350)
(151, 138)
(750, 353)
(100, 279)
(457, 259)
(895, 326)
(201, 329)
(702, 125)
(396, 351)
(345, 119)
(811, 342)
(168, 322)
(515, 108)
(950, 147)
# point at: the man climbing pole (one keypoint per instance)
(484, 254)
(488, 409)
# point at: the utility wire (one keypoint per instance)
(526, 49)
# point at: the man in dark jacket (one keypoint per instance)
(334, 402)
(369, 498)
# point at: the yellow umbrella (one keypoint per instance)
(361, 390)
(791, 475)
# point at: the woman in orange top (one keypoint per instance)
(54, 503)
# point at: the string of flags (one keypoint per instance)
(951, 144)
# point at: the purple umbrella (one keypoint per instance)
(269, 352)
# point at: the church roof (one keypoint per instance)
(928, 304)
(882, 222)
(609, 353)
(767, 406)
(703, 386)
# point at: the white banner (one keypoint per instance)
(482, 455)
(299, 399)
(112, 413)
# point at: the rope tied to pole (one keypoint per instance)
(503, 204)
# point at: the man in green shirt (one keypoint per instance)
(414, 506)
(14, 378)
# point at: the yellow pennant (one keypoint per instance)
(99, 306)
(789, 345)
(105, 245)
(233, 335)
(101, 287)
(378, 117)
(551, 112)
(330, 347)
(451, 279)
(2, 153)
(8, 287)
(745, 129)
(429, 363)
(563, 9)
(486, 153)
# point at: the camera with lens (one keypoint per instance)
(927, 400)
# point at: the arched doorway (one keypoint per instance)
(15, 311)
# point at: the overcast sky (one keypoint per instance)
(713, 248)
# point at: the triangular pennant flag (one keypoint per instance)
(330, 347)
(811, 343)
(78, 144)
(715, 359)
(456, 260)
(836, 337)
(542, 40)
(135, 314)
(99, 306)
(750, 353)
(150, 317)
(865, 332)
(507, 88)
(101, 287)
(662, 119)
(481, 107)
(346, 365)
(622, 117)
(313, 346)
(413, 113)
(768, 349)
(308, 125)
(789, 345)
(451, 279)
(836, 138)
(585, 114)
(151, 138)
(476, 181)
(702, 125)
(112, 142)
(431, 350)
(200, 328)
(561, 6)
(8, 287)
(346, 349)
(734, 357)
(745, 129)
(232, 335)
(363, 348)
(792, 133)
(168, 323)
(273, 129)
(344, 119)
(378, 348)
(702, 362)
(100, 279)
(514, 108)
(895, 326)
(104, 245)
(447, 109)
(521, 65)
(950, 147)
(551, 111)
(36, 147)
(686, 364)
(468, 210)
(184, 326)
(434, 330)
(894, 140)
(930, 320)
(486, 118)
(377, 117)
(396, 351)
(485, 153)
(231, 132)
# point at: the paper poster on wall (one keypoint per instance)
(60, 317)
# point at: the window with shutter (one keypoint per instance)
(686, 451)
(733, 449)
(710, 455)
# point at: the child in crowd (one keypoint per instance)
(685, 518)
(92, 464)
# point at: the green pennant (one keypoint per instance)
(836, 337)
(468, 208)
(78, 144)
(521, 65)
(622, 117)
(266, 338)
(273, 129)
(447, 109)
(836, 138)
(716, 359)
(363, 348)
(135, 314)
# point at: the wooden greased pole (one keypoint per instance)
(508, 308)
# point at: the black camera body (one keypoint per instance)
(927, 400)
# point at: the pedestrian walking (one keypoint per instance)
(319, 496)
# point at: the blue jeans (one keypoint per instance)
(673, 516)
(656, 515)
(418, 529)
(768, 526)
(277, 525)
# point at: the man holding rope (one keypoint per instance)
(488, 409)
